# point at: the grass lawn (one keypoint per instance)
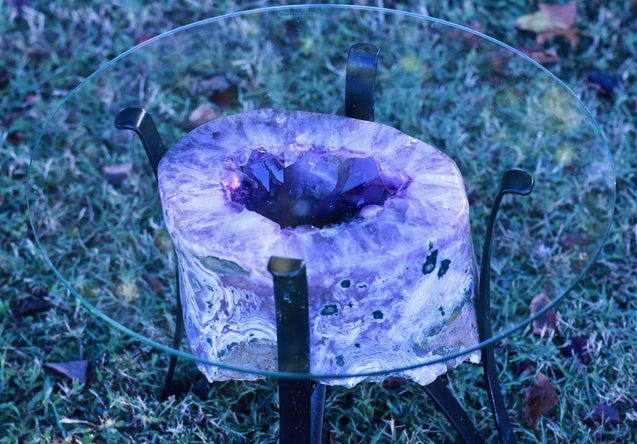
(48, 48)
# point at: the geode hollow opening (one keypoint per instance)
(318, 189)
(384, 233)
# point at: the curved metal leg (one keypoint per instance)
(513, 182)
(454, 412)
(139, 121)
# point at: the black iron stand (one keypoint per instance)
(301, 403)
(360, 100)
(300, 406)
(513, 182)
(142, 124)
(301, 413)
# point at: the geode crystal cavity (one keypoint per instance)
(380, 219)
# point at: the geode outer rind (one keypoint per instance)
(391, 288)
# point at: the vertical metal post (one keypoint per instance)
(179, 331)
(293, 348)
(360, 81)
(318, 411)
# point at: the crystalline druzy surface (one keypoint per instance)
(318, 188)
(381, 220)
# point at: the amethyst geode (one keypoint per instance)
(380, 218)
(318, 188)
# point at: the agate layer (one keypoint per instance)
(380, 218)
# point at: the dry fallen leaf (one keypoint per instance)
(155, 283)
(546, 322)
(523, 367)
(470, 38)
(75, 370)
(577, 347)
(571, 240)
(220, 90)
(551, 20)
(539, 399)
(394, 382)
(202, 114)
(32, 307)
(5, 79)
(31, 98)
(36, 301)
(162, 240)
(15, 137)
(145, 38)
(603, 82)
(601, 414)
(541, 55)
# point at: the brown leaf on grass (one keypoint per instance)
(36, 302)
(75, 370)
(499, 60)
(15, 137)
(31, 98)
(603, 82)
(5, 79)
(546, 322)
(523, 367)
(577, 347)
(202, 114)
(155, 283)
(32, 307)
(551, 20)
(571, 240)
(541, 55)
(470, 38)
(539, 399)
(394, 382)
(220, 90)
(476, 26)
(603, 413)
(145, 38)
(116, 174)
(162, 240)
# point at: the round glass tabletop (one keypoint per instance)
(93, 197)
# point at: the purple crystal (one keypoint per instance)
(363, 183)
(319, 188)
(265, 168)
